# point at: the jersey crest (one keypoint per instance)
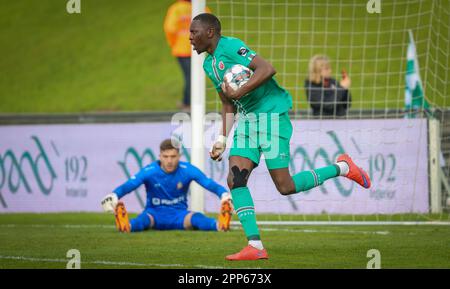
(221, 65)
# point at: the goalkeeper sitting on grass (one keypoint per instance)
(166, 182)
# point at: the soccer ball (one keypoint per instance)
(237, 76)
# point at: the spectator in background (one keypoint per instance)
(176, 28)
(326, 96)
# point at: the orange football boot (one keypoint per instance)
(355, 173)
(225, 216)
(247, 254)
(122, 221)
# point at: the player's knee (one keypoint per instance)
(237, 177)
(187, 223)
(152, 221)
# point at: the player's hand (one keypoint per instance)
(229, 92)
(218, 148)
(109, 203)
(226, 197)
(345, 81)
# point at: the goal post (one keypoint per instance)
(435, 165)
(197, 116)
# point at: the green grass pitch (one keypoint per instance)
(42, 241)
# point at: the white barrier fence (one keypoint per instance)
(54, 168)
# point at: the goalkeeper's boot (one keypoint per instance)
(355, 173)
(225, 216)
(122, 221)
(247, 254)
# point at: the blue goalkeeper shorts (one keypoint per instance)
(167, 218)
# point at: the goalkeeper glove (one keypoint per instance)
(109, 203)
(226, 211)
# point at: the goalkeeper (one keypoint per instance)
(263, 127)
(166, 182)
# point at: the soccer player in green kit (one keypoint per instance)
(258, 131)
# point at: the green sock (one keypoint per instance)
(245, 209)
(307, 180)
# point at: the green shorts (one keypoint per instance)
(267, 134)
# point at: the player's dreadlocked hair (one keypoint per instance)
(210, 20)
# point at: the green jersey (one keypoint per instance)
(267, 98)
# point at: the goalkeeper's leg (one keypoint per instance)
(142, 222)
(198, 221)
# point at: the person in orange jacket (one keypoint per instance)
(176, 28)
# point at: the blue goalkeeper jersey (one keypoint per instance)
(168, 189)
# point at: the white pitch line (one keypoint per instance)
(326, 231)
(235, 225)
(101, 262)
(260, 223)
(66, 226)
(350, 223)
(81, 226)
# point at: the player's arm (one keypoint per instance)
(262, 72)
(228, 111)
(110, 201)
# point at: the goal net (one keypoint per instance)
(405, 149)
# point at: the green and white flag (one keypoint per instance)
(414, 97)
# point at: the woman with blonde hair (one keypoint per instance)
(326, 96)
